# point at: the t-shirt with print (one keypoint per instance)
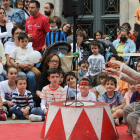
(90, 97)
(70, 92)
(53, 95)
(20, 55)
(38, 27)
(135, 97)
(96, 64)
(137, 13)
(115, 101)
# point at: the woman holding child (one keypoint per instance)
(9, 47)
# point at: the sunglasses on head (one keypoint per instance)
(27, 1)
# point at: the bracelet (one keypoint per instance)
(113, 109)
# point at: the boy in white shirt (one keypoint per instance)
(20, 56)
(84, 93)
(96, 63)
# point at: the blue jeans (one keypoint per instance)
(37, 111)
(17, 112)
(31, 80)
(3, 76)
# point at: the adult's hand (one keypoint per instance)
(5, 19)
(114, 63)
(44, 48)
(112, 71)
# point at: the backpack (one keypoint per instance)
(104, 46)
(18, 17)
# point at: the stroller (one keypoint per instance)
(57, 47)
(105, 45)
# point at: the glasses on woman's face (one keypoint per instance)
(54, 62)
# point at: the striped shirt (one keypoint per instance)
(21, 101)
(53, 95)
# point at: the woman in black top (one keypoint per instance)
(52, 61)
(5, 25)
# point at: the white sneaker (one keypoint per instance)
(117, 122)
(13, 116)
(35, 118)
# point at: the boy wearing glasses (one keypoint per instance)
(50, 93)
(84, 93)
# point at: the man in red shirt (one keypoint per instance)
(37, 25)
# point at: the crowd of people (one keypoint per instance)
(26, 91)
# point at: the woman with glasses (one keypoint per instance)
(52, 61)
(5, 25)
(124, 45)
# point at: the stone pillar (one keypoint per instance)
(127, 10)
(124, 11)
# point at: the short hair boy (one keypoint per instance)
(20, 56)
(113, 98)
(22, 99)
(56, 34)
(96, 63)
(50, 93)
(84, 93)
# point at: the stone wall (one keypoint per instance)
(127, 10)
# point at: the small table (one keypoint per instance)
(132, 56)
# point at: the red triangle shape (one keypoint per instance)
(83, 129)
(108, 132)
(56, 130)
(44, 126)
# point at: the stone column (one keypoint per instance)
(127, 10)
(133, 5)
(124, 11)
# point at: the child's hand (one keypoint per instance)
(45, 111)
(10, 103)
(16, 65)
